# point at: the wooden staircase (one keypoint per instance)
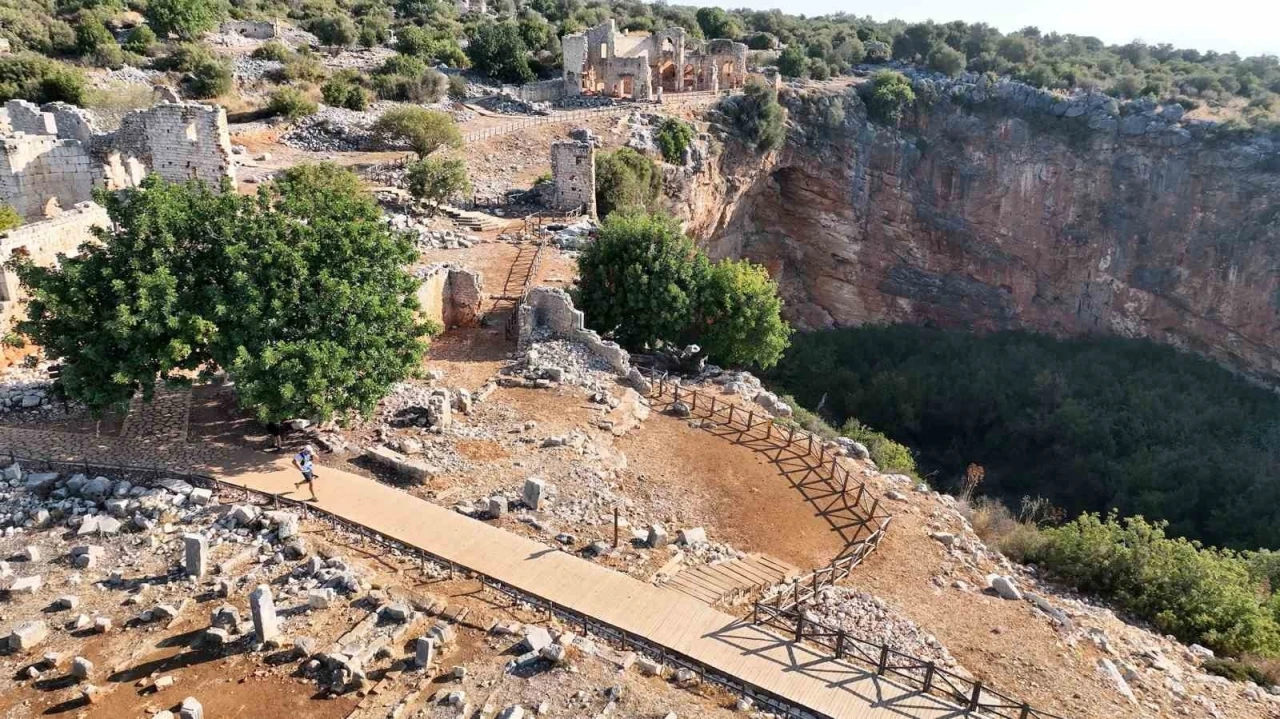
(725, 582)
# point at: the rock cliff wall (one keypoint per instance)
(998, 206)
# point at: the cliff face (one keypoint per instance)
(973, 214)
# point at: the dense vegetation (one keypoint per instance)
(1217, 598)
(1069, 420)
(524, 43)
(626, 180)
(300, 294)
(644, 282)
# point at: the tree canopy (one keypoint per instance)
(184, 18)
(300, 293)
(422, 130)
(643, 281)
(626, 179)
(498, 50)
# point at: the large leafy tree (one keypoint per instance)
(300, 293)
(434, 181)
(422, 130)
(626, 179)
(498, 50)
(645, 282)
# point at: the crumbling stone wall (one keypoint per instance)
(551, 309)
(27, 117)
(602, 60)
(628, 77)
(41, 172)
(43, 241)
(255, 29)
(179, 142)
(451, 295)
(545, 91)
(573, 176)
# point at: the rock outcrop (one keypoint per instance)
(997, 206)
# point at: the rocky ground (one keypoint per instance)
(103, 618)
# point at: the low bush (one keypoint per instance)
(208, 75)
(304, 66)
(9, 218)
(888, 96)
(344, 90)
(335, 30)
(1198, 594)
(754, 117)
(28, 76)
(673, 137)
(141, 41)
(292, 103)
(408, 79)
(1235, 670)
(272, 50)
(888, 455)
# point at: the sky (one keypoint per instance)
(1249, 27)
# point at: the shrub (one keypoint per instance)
(291, 103)
(334, 30)
(1198, 594)
(184, 18)
(9, 218)
(435, 181)
(673, 137)
(304, 66)
(497, 50)
(626, 179)
(109, 56)
(644, 281)
(407, 78)
(344, 90)
(1235, 670)
(92, 34)
(374, 31)
(272, 50)
(888, 455)
(793, 62)
(888, 97)
(422, 130)
(755, 117)
(210, 77)
(947, 61)
(457, 87)
(141, 40)
(818, 69)
(436, 46)
(27, 76)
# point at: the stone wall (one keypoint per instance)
(179, 142)
(628, 77)
(551, 309)
(40, 173)
(601, 60)
(26, 117)
(573, 176)
(545, 91)
(255, 29)
(451, 295)
(43, 241)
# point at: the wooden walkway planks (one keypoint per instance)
(676, 621)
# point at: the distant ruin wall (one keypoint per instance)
(545, 91)
(40, 171)
(255, 29)
(573, 176)
(179, 142)
(551, 309)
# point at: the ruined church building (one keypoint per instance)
(643, 66)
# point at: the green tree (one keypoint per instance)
(738, 316)
(335, 30)
(626, 179)
(184, 18)
(889, 96)
(793, 62)
(9, 218)
(755, 117)
(716, 23)
(422, 130)
(300, 294)
(92, 34)
(673, 137)
(497, 50)
(407, 78)
(434, 181)
(639, 279)
(946, 61)
(344, 90)
(28, 76)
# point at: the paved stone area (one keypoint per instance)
(163, 420)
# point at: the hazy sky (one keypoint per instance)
(1250, 27)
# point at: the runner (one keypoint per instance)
(305, 462)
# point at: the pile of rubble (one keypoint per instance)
(870, 619)
(550, 361)
(334, 129)
(584, 102)
(427, 238)
(574, 237)
(248, 69)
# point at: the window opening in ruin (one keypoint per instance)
(604, 50)
(191, 131)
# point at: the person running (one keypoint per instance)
(305, 463)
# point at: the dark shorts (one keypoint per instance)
(308, 476)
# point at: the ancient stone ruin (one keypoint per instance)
(451, 295)
(573, 176)
(639, 65)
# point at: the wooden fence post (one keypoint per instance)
(884, 660)
(751, 419)
(928, 676)
(1026, 711)
(799, 626)
(975, 700)
(840, 644)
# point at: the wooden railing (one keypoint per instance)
(785, 609)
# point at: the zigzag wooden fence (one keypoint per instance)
(785, 610)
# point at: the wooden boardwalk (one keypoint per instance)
(802, 675)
